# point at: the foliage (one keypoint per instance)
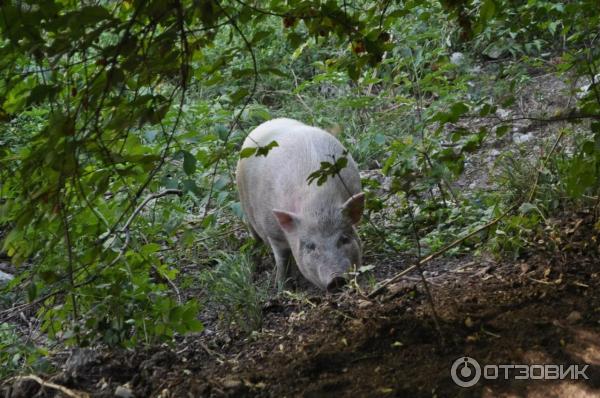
(107, 108)
(16, 355)
(231, 287)
(130, 99)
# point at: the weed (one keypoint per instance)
(231, 288)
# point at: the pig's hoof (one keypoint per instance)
(336, 284)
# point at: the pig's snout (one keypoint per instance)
(336, 284)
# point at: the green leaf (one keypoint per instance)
(240, 73)
(296, 39)
(487, 11)
(32, 292)
(260, 114)
(195, 326)
(236, 208)
(264, 150)
(49, 276)
(487, 109)
(221, 130)
(247, 152)
(190, 186)
(502, 130)
(189, 163)
(366, 268)
(527, 208)
(273, 71)
(91, 15)
(588, 147)
(327, 170)
(239, 95)
(509, 101)
(458, 109)
(397, 13)
(149, 248)
(42, 93)
(353, 71)
(261, 34)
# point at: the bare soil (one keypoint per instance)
(543, 309)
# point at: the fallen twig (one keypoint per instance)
(212, 352)
(438, 253)
(541, 281)
(68, 392)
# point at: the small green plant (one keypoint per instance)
(515, 234)
(231, 288)
(17, 355)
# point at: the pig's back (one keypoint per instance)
(279, 180)
(301, 148)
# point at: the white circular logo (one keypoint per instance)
(465, 372)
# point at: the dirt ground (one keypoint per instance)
(542, 309)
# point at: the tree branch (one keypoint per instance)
(145, 202)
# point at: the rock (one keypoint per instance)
(5, 278)
(521, 138)
(585, 89)
(165, 393)
(124, 391)
(457, 58)
(79, 362)
(502, 113)
(469, 322)
(574, 317)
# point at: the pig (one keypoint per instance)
(315, 224)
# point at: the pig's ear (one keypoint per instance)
(288, 221)
(354, 207)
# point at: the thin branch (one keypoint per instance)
(382, 16)
(244, 106)
(48, 384)
(70, 271)
(379, 289)
(145, 202)
(259, 10)
(572, 115)
(171, 283)
(540, 170)
(436, 319)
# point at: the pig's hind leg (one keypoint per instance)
(254, 234)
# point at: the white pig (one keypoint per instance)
(313, 223)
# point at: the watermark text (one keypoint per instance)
(466, 372)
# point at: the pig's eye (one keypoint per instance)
(344, 240)
(309, 246)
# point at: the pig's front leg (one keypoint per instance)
(282, 257)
